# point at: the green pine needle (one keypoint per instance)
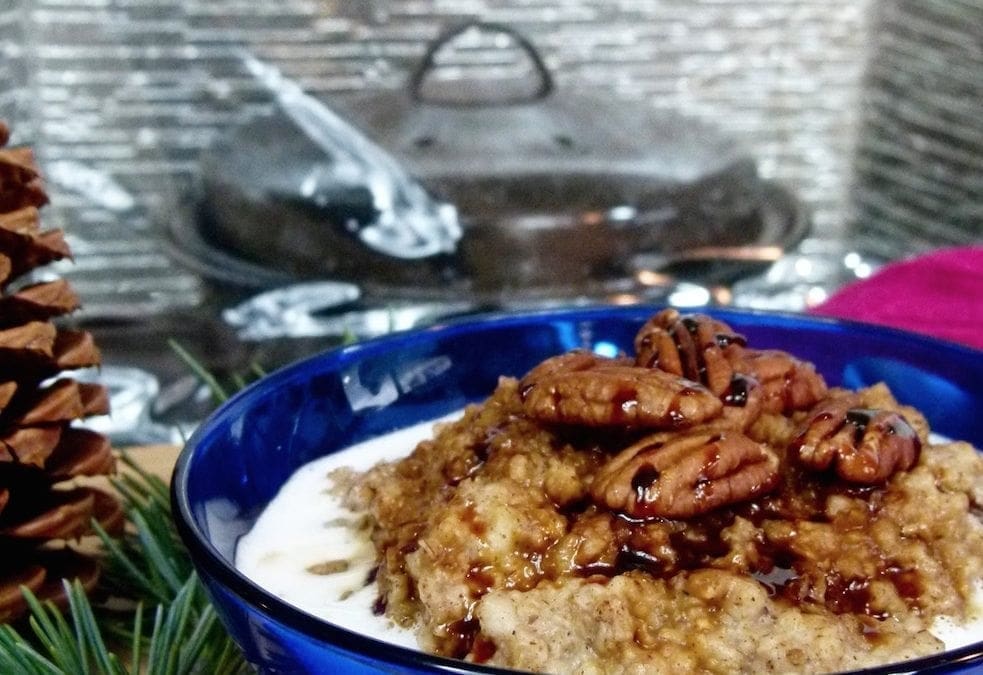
(218, 391)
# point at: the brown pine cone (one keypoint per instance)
(42, 510)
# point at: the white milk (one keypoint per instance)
(306, 525)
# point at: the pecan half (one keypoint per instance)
(788, 384)
(685, 475)
(581, 388)
(688, 345)
(861, 445)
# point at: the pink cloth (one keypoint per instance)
(939, 294)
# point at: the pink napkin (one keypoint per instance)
(939, 294)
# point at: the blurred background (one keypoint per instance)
(852, 130)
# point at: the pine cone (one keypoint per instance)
(42, 509)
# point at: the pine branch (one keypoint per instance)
(149, 566)
(187, 639)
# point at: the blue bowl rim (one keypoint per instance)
(205, 556)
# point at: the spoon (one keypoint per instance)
(410, 223)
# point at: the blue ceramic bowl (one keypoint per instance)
(238, 459)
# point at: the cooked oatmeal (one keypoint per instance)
(700, 506)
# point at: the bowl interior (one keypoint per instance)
(237, 461)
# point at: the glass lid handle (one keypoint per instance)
(544, 84)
